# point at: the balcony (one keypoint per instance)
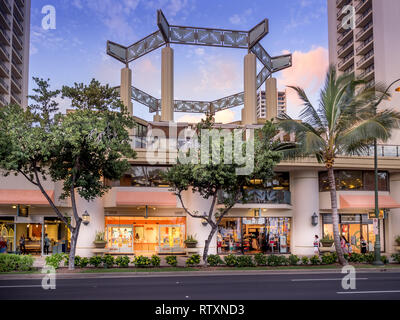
(349, 70)
(262, 197)
(4, 37)
(346, 49)
(18, 27)
(4, 53)
(16, 71)
(341, 3)
(370, 84)
(17, 56)
(365, 32)
(368, 74)
(4, 21)
(3, 86)
(366, 46)
(3, 101)
(364, 19)
(18, 12)
(344, 37)
(14, 99)
(340, 13)
(16, 85)
(5, 6)
(346, 62)
(4, 71)
(17, 42)
(365, 61)
(363, 5)
(20, 3)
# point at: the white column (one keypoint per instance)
(126, 89)
(249, 116)
(305, 201)
(87, 233)
(393, 223)
(167, 84)
(271, 98)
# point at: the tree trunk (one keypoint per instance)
(74, 240)
(335, 217)
(208, 241)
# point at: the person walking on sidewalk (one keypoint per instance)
(316, 245)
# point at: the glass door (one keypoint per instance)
(120, 238)
(171, 239)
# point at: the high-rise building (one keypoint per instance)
(369, 46)
(262, 108)
(14, 51)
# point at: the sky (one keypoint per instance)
(75, 51)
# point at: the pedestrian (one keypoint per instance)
(3, 245)
(343, 244)
(22, 245)
(46, 244)
(316, 245)
(364, 245)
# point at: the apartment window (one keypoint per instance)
(143, 176)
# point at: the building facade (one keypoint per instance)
(263, 109)
(14, 51)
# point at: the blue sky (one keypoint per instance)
(75, 50)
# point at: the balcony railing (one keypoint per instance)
(358, 7)
(358, 36)
(365, 58)
(5, 34)
(4, 16)
(345, 46)
(262, 196)
(5, 85)
(367, 71)
(344, 34)
(5, 4)
(346, 59)
(4, 67)
(2, 100)
(389, 151)
(363, 16)
(365, 43)
(5, 50)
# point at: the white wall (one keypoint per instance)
(393, 225)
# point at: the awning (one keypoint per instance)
(133, 198)
(24, 197)
(367, 202)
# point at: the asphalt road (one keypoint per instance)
(381, 286)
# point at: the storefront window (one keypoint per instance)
(353, 227)
(58, 234)
(7, 233)
(141, 235)
(347, 180)
(267, 235)
(143, 176)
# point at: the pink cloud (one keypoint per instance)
(308, 72)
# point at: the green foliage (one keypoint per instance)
(396, 257)
(214, 260)
(100, 236)
(260, 259)
(305, 261)
(122, 262)
(77, 260)
(155, 261)
(95, 261)
(83, 263)
(275, 261)
(294, 260)
(194, 260)
(384, 259)
(230, 260)
(13, 262)
(397, 240)
(315, 260)
(190, 239)
(142, 262)
(369, 257)
(108, 261)
(357, 258)
(245, 261)
(172, 261)
(55, 260)
(329, 258)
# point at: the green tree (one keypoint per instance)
(216, 178)
(346, 123)
(78, 149)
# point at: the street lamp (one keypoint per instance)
(85, 218)
(377, 247)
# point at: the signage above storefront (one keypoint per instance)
(382, 215)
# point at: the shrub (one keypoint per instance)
(356, 258)
(396, 257)
(172, 261)
(155, 261)
(194, 260)
(245, 261)
(55, 260)
(25, 263)
(214, 260)
(294, 260)
(260, 259)
(230, 260)
(95, 261)
(122, 262)
(13, 262)
(142, 262)
(305, 261)
(369, 257)
(83, 263)
(283, 261)
(315, 260)
(77, 261)
(384, 259)
(328, 258)
(108, 261)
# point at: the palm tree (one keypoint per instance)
(346, 123)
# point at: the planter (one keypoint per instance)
(100, 244)
(327, 244)
(191, 245)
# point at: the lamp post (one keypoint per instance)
(377, 247)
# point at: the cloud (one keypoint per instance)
(241, 19)
(225, 116)
(308, 72)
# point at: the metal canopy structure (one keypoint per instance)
(167, 34)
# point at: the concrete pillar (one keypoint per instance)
(393, 223)
(271, 98)
(126, 89)
(250, 89)
(167, 84)
(87, 233)
(195, 202)
(305, 201)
